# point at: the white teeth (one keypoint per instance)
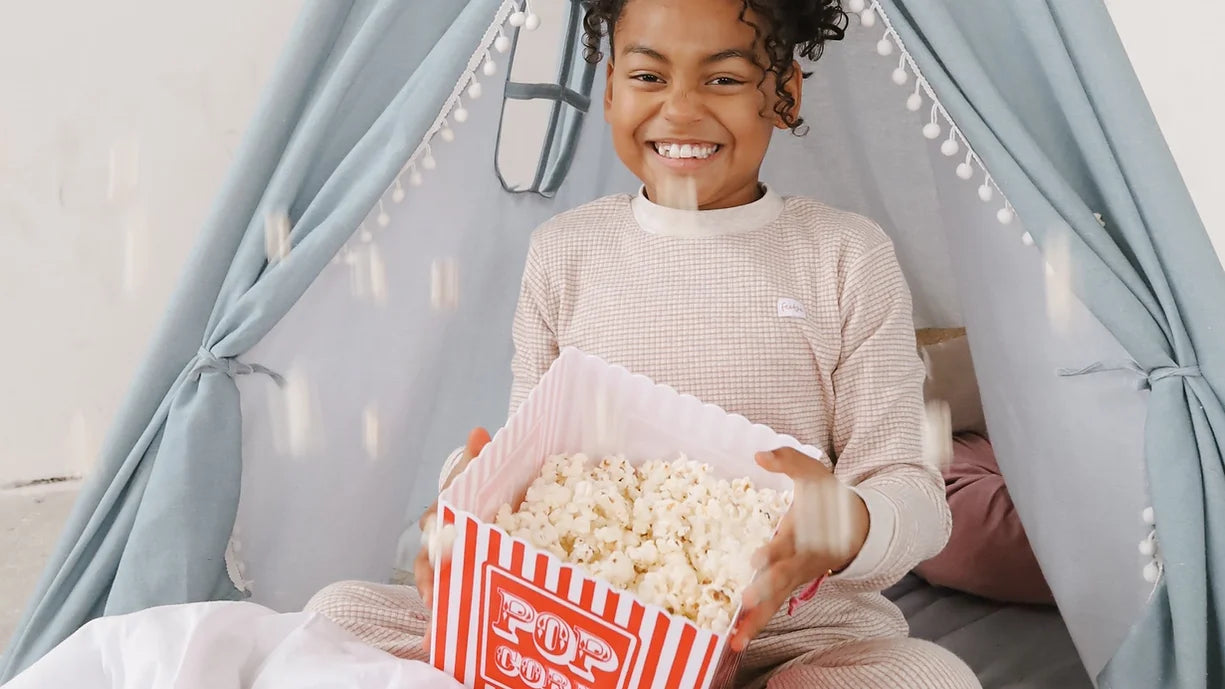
(683, 151)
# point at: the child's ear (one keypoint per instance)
(608, 88)
(794, 86)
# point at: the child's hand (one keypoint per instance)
(822, 533)
(423, 570)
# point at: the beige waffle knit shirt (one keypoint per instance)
(786, 311)
(790, 313)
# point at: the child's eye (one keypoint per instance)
(647, 78)
(726, 81)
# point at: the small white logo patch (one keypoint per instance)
(790, 308)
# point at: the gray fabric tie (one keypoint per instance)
(1147, 378)
(206, 361)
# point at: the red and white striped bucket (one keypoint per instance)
(508, 615)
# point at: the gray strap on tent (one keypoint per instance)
(1147, 377)
(207, 361)
(525, 91)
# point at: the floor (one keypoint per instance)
(30, 522)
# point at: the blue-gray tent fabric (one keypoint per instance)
(1045, 94)
(354, 93)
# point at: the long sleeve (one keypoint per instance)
(877, 425)
(533, 331)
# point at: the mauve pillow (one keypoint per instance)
(988, 553)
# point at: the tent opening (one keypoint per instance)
(428, 285)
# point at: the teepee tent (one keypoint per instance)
(345, 318)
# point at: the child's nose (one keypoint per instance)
(682, 106)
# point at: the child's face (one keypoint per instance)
(682, 74)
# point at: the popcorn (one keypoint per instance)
(665, 531)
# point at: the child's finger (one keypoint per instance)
(791, 462)
(427, 519)
(772, 586)
(750, 624)
(423, 574)
(477, 440)
(780, 548)
(760, 601)
(757, 591)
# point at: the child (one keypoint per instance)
(784, 310)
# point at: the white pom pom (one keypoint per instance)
(447, 134)
(985, 192)
(1152, 572)
(517, 19)
(501, 44)
(365, 235)
(856, 6)
(965, 171)
(414, 178)
(950, 147)
(914, 102)
(461, 115)
(532, 22)
(384, 219)
(428, 162)
(1027, 239)
(1148, 516)
(868, 18)
(1004, 215)
(900, 77)
(490, 68)
(931, 130)
(398, 195)
(884, 47)
(475, 90)
(1148, 548)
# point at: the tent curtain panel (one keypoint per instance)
(152, 523)
(1046, 95)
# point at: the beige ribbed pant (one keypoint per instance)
(789, 654)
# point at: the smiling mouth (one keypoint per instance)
(685, 151)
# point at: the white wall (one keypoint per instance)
(168, 87)
(1175, 50)
(83, 279)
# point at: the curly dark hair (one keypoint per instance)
(786, 28)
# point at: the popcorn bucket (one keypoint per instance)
(509, 615)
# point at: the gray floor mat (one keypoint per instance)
(1008, 646)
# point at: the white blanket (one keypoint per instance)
(222, 646)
